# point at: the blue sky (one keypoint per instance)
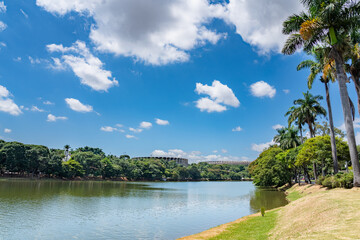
(186, 78)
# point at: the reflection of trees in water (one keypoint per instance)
(31, 190)
(267, 198)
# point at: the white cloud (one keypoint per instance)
(17, 59)
(36, 109)
(77, 106)
(260, 147)
(208, 105)
(237, 129)
(136, 130)
(286, 91)
(218, 92)
(108, 129)
(156, 32)
(129, 136)
(260, 22)
(52, 118)
(277, 126)
(161, 122)
(7, 104)
(119, 125)
(146, 125)
(262, 89)
(7, 130)
(84, 64)
(196, 156)
(219, 95)
(3, 26)
(48, 103)
(2, 7)
(224, 150)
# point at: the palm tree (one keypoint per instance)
(287, 137)
(295, 116)
(324, 65)
(308, 109)
(328, 21)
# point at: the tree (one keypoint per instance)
(328, 22)
(323, 64)
(287, 137)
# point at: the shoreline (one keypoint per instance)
(297, 220)
(82, 179)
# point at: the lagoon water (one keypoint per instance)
(124, 210)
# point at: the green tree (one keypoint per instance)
(328, 22)
(73, 169)
(287, 137)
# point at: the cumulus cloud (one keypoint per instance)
(7, 104)
(260, 147)
(7, 130)
(195, 156)
(145, 125)
(277, 126)
(161, 122)
(156, 32)
(237, 129)
(136, 130)
(262, 89)
(77, 106)
(84, 64)
(260, 22)
(220, 96)
(208, 105)
(52, 118)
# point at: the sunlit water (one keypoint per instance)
(119, 210)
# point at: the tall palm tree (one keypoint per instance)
(309, 109)
(328, 21)
(323, 64)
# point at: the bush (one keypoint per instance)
(262, 211)
(340, 180)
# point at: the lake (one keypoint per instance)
(49, 209)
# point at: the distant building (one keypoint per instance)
(181, 161)
(67, 155)
(244, 163)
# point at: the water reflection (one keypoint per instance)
(121, 210)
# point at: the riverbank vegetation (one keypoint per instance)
(329, 32)
(295, 220)
(18, 159)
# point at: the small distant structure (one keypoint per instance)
(67, 153)
(181, 161)
(244, 163)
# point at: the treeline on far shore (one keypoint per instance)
(92, 163)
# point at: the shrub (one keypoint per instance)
(262, 211)
(340, 180)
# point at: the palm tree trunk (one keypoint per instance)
(332, 134)
(357, 88)
(341, 77)
(301, 136)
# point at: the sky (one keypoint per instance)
(183, 78)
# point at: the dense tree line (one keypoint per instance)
(87, 162)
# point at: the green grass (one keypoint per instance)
(293, 195)
(250, 229)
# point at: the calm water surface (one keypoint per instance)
(118, 210)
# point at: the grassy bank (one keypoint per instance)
(313, 213)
